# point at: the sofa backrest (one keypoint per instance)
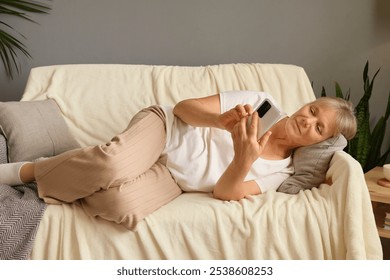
(98, 100)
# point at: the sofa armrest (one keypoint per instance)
(351, 207)
(344, 165)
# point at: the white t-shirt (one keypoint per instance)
(198, 156)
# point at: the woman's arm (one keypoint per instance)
(231, 185)
(206, 112)
(202, 112)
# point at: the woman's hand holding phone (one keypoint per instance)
(247, 147)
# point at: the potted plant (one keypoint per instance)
(367, 145)
(10, 46)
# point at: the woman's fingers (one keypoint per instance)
(239, 129)
(244, 110)
(242, 125)
(252, 128)
(248, 108)
(241, 111)
(264, 140)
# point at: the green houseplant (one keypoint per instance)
(367, 145)
(10, 46)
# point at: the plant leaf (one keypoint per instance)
(323, 92)
(365, 72)
(387, 114)
(339, 92)
(27, 6)
(9, 45)
(21, 8)
(371, 84)
(363, 143)
(348, 95)
(377, 136)
(8, 55)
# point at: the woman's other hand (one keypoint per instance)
(230, 118)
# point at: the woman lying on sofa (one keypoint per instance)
(201, 144)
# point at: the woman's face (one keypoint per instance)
(311, 124)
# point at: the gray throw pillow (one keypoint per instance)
(311, 164)
(3, 150)
(34, 129)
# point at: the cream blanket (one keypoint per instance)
(331, 222)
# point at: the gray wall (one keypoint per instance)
(331, 39)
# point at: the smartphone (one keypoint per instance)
(268, 114)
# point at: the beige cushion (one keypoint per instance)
(34, 129)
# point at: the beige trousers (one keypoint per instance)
(121, 181)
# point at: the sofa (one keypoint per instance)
(96, 102)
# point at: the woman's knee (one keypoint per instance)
(110, 205)
(132, 201)
(105, 164)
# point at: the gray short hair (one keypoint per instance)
(346, 123)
